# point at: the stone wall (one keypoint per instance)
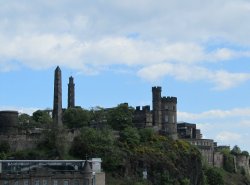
(100, 178)
(206, 147)
(21, 142)
(218, 159)
(242, 162)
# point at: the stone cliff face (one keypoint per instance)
(173, 166)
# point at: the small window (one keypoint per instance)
(16, 182)
(76, 182)
(166, 107)
(173, 119)
(65, 182)
(55, 182)
(37, 182)
(5, 182)
(174, 108)
(25, 182)
(45, 182)
(166, 118)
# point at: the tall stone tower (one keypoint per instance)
(156, 92)
(71, 93)
(57, 108)
(169, 116)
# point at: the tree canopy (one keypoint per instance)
(76, 117)
(120, 117)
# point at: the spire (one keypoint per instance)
(86, 167)
(57, 108)
(87, 172)
(71, 93)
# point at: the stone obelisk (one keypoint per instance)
(57, 109)
(71, 93)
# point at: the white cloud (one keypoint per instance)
(215, 114)
(225, 80)
(155, 60)
(223, 54)
(244, 123)
(226, 136)
(227, 127)
(221, 79)
(90, 37)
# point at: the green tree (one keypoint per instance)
(76, 117)
(214, 176)
(24, 118)
(4, 147)
(130, 136)
(146, 134)
(228, 164)
(42, 117)
(99, 143)
(185, 181)
(3, 156)
(236, 150)
(120, 117)
(98, 115)
(245, 153)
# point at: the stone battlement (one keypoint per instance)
(158, 88)
(169, 99)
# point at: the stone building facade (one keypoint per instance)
(186, 130)
(207, 147)
(51, 172)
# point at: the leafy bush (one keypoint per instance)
(214, 176)
(130, 136)
(76, 117)
(4, 147)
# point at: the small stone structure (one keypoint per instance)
(186, 130)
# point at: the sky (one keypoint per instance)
(116, 50)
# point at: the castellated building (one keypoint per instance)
(162, 118)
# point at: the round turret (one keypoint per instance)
(8, 121)
(87, 173)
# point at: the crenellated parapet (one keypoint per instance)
(142, 116)
(169, 99)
